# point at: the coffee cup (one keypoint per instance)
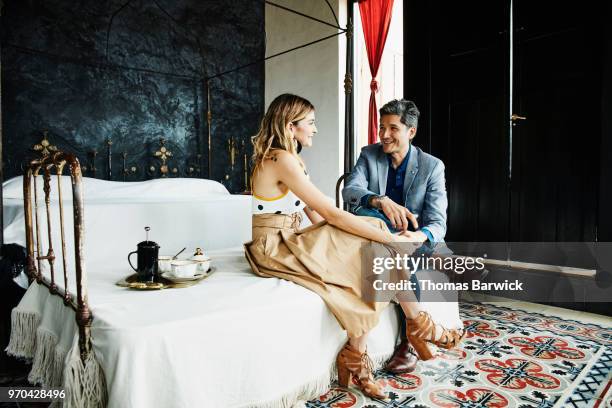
(163, 263)
(183, 269)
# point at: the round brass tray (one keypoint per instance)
(160, 282)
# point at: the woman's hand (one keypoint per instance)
(409, 236)
(402, 238)
(414, 236)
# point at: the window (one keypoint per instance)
(390, 74)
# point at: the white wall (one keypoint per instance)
(316, 73)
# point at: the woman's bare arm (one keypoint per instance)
(312, 215)
(290, 173)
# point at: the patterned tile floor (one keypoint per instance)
(518, 354)
(512, 356)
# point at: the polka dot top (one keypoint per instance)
(287, 203)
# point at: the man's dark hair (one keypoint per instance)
(406, 110)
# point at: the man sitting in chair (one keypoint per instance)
(399, 183)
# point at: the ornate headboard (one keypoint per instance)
(164, 159)
(100, 164)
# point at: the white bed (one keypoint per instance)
(233, 340)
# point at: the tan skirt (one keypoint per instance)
(322, 258)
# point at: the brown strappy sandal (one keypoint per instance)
(422, 329)
(351, 362)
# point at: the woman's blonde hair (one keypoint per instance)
(273, 133)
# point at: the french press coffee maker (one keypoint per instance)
(147, 255)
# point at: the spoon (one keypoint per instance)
(180, 252)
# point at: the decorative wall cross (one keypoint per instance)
(44, 146)
(163, 154)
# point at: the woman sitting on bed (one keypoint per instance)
(325, 257)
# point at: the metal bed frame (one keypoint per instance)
(49, 165)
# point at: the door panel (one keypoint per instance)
(477, 143)
(556, 148)
(553, 192)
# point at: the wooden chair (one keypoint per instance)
(338, 184)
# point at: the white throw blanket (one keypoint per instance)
(233, 340)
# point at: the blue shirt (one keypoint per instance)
(395, 179)
(395, 187)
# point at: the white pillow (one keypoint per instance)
(96, 189)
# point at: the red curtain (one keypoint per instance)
(375, 19)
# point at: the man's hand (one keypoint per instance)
(397, 214)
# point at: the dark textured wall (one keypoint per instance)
(132, 71)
